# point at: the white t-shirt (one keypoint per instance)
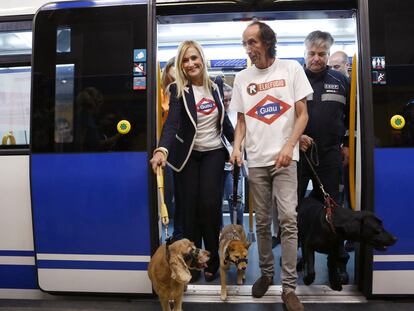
(208, 134)
(267, 98)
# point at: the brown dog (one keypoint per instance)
(233, 249)
(169, 272)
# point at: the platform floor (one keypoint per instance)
(153, 305)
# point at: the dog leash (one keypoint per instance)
(164, 212)
(330, 203)
(236, 197)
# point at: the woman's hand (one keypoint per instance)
(158, 159)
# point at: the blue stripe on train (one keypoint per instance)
(16, 253)
(18, 276)
(94, 265)
(393, 265)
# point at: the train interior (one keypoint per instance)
(220, 37)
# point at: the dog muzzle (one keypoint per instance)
(236, 262)
(192, 257)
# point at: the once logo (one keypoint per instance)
(252, 88)
(268, 110)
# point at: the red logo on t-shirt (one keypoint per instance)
(206, 106)
(269, 109)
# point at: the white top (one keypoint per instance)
(267, 97)
(208, 133)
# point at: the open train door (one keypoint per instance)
(387, 139)
(92, 129)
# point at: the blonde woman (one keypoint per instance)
(167, 77)
(192, 144)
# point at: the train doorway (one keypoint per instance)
(220, 36)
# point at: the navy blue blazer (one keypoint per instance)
(179, 130)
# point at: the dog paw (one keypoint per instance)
(336, 286)
(309, 278)
(223, 296)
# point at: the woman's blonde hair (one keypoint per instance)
(166, 77)
(180, 77)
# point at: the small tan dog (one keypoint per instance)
(233, 249)
(169, 272)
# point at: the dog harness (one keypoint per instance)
(231, 236)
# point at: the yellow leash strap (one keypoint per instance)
(164, 211)
(352, 105)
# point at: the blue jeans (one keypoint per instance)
(228, 195)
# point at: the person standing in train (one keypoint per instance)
(192, 144)
(328, 110)
(228, 168)
(339, 61)
(168, 77)
(270, 98)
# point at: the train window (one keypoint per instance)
(64, 98)
(89, 73)
(15, 43)
(15, 106)
(63, 40)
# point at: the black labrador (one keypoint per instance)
(315, 235)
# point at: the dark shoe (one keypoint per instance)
(195, 275)
(261, 286)
(292, 302)
(349, 246)
(208, 276)
(275, 241)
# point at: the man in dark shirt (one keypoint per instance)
(328, 109)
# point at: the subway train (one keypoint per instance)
(79, 207)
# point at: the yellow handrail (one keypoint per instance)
(352, 105)
(159, 103)
(8, 139)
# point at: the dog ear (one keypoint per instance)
(247, 244)
(179, 269)
(178, 266)
(350, 227)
